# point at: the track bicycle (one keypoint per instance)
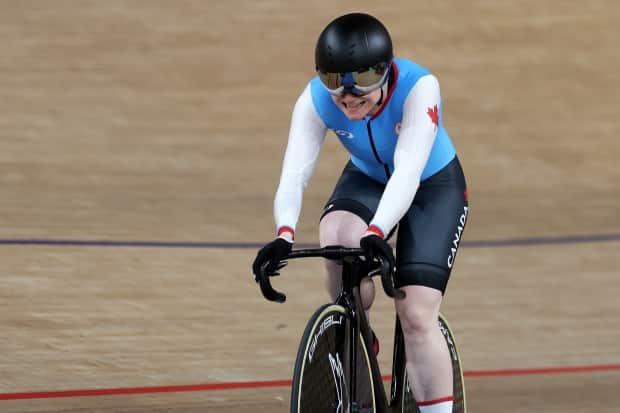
(336, 369)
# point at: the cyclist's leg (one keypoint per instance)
(428, 237)
(428, 362)
(344, 220)
(344, 228)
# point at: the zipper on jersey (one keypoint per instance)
(374, 150)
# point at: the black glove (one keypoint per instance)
(376, 248)
(272, 253)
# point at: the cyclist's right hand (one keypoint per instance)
(271, 254)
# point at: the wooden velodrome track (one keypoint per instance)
(140, 147)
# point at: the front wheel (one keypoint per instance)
(459, 405)
(322, 369)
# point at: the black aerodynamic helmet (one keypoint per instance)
(357, 44)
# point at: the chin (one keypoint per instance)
(356, 116)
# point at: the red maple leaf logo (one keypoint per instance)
(433, 113)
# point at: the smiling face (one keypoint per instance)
(356, 107)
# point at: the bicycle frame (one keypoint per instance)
(353, 271)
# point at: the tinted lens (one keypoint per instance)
(332, 81)
(371, 76)
(363, 81)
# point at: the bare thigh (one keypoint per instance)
(344, 228)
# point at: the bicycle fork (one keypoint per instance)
(358, 330)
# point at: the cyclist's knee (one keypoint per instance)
(418, 312)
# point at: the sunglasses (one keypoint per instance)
(358, 83)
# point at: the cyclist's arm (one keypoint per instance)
(413, 148)
(306, 136)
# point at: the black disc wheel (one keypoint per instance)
(322, 369)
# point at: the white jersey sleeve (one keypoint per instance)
(306, 135)
(415, 141)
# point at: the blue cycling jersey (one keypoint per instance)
(372, 141)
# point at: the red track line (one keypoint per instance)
(278, 383)
(143, 390)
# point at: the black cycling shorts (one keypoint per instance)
(430, 232)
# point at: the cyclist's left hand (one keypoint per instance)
(375, 247)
